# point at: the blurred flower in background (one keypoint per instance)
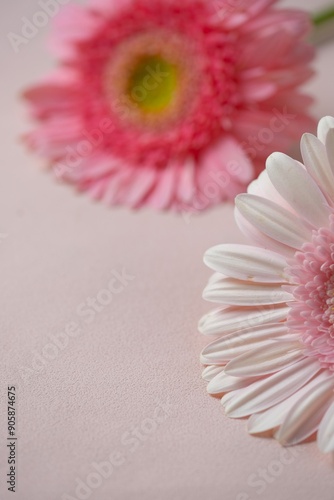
(171, 104)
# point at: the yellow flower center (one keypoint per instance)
(153, 84)
(151, 80)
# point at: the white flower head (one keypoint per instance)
(273, 360)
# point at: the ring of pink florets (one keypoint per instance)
(312, 311)
(210, 51)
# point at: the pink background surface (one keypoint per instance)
(142, 350)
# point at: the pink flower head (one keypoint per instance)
(275, 357)
(171, 104)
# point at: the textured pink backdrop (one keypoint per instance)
(140, 352)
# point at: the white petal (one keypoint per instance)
(272, 390)
(247, 263)
(231, 319)
(305, 416)
(216, 277)
(263, 186)
(230, 291)
(229, 396)
(330, 148)
(324, 126)
(260, 239)
(224, 383)
(210, 372)
(326, 431)
(269, 419)
(316, 161)
(265, 360)
(298, 188)
(239, 342)
(273, 220)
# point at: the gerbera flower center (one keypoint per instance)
(312, 314)
(329, 306)
(151, 76)
(153, 83)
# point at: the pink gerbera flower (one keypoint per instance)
(275, 359)
(171, 104)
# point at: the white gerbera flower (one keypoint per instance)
(274, 357)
